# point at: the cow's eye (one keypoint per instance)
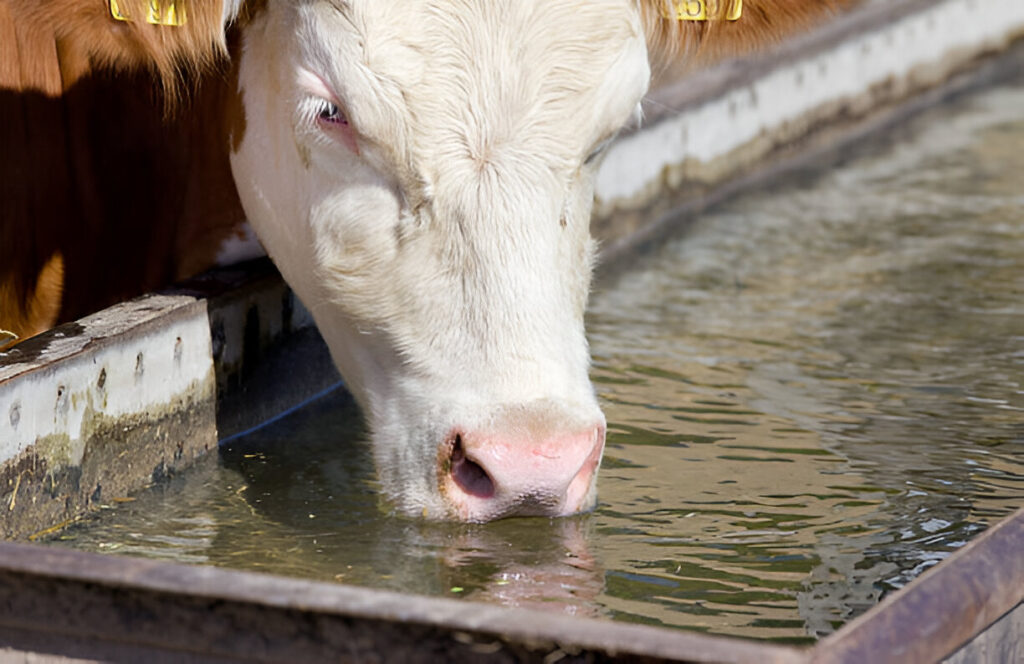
(333, 122)
(331, 114)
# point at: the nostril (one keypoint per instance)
(468, 474)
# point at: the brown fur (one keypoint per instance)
(41, 303)
(103, 193)
(90, 38)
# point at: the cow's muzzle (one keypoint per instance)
(485, 476)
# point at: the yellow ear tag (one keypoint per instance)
(701, 10)
(159, 13)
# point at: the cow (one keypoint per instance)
(420, 171)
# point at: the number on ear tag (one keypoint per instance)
(701, 10)
(159, 13)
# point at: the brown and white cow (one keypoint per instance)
(421, 171)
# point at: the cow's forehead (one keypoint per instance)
(550, 76)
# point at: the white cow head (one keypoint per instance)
(422, 172)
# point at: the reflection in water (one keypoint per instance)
(299, 498)
(812, 397)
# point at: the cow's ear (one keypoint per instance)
(725, 27)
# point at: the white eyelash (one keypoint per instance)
(306, 111)
(310, 108)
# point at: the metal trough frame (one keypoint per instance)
(112, 403)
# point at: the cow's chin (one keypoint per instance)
(535, 459)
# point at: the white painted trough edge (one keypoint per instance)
(765, 101)
(135, 357)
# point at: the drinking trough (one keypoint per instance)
(101, 408)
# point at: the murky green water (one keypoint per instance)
(813, 395)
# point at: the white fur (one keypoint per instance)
(447, 263)
(229, 11)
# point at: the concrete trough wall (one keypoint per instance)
(103, 407)
(713, 134)
(107, 405)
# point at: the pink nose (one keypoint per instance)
(489, 476)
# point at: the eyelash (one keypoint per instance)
(333, 122)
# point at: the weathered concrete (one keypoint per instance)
(105, 406)
(259, 331)
(96, 409)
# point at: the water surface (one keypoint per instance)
(813, 395)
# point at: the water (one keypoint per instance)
(813, 395)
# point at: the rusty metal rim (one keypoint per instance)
(937, 613)
(928, 620)
(126, 578)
